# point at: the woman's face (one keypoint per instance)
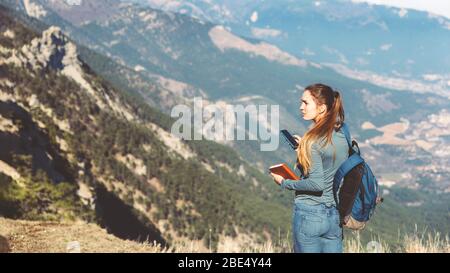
(309, 108)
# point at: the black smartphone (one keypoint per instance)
(290, 139)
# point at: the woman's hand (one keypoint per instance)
(277, 178)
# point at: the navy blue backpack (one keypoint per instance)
(355, 188)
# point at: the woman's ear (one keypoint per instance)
(322, 108)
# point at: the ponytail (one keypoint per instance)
(338, 110)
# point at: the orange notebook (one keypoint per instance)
(283, 170)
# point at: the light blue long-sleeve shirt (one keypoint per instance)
(321, 174)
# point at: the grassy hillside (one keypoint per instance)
(57, 237)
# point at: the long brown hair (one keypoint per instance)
(323, 128)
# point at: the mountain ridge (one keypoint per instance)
(114, 177)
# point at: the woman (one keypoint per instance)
(321, 151)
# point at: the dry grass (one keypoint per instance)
(411, 243)
(354, 245)
(51, 237)
(426, 243)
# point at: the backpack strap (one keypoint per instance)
(354, 160)
(351, 162)
(348, 137)
(346, 132)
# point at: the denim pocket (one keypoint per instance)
(311, 224)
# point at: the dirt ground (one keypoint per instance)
(52, 237)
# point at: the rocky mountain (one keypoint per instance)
(363, 38)
(188, 57)
(86, 10)
(172, 61)
(75, 147)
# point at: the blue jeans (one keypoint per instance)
(316, 229)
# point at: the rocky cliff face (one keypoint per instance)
(52, 50)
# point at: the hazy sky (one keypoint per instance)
(441, 7)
